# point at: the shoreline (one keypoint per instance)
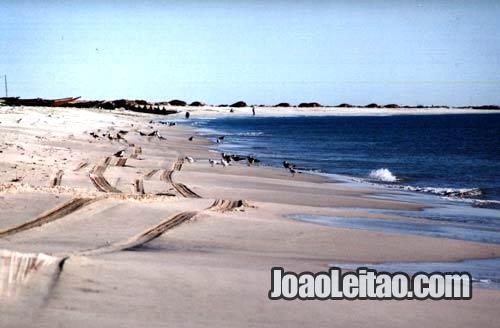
(211, 111)
(471, 195)
(141, 232)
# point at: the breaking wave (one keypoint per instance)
(382, 175)
(446, 192)
(493, 204)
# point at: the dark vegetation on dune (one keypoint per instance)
(162, 108)
(239, 104)
(176, 102)
(197, 104)
(311, 104)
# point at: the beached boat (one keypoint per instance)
(63, 101)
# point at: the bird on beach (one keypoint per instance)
(212, 162)
(226, 157)
(292, 171)
(288, 165)
(237, 158)
(160, 136)
(191, 138)
(220, 139)
(151, 134)
(119, 137)
(189, 159)
(224, 162)
(119, 153)
(252, 160)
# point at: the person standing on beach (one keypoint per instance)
(253, 110)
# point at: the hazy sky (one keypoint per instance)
(412, 52)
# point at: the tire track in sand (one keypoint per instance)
(179, 187)
(23, 266)
(97, 177)
(51, 215)
(219, 205)
(150, 174)
(139, 187)
(143, 237)
(226, 205)
(80, 166)
(56, 178)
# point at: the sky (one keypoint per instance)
(262, 52)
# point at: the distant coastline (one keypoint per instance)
(171, 106)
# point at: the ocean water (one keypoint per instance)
(433, 154)
(485, 272)
(475, 231)
(442, 154)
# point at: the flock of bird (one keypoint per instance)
(225, 160)
(117, 136)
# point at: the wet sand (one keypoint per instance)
(150, 239)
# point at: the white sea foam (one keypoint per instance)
(249, 134)
(494, 204)
(383, 175)
(447, 192)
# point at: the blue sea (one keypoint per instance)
(456, 156)
(442, 154)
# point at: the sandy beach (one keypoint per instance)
(92, 236)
